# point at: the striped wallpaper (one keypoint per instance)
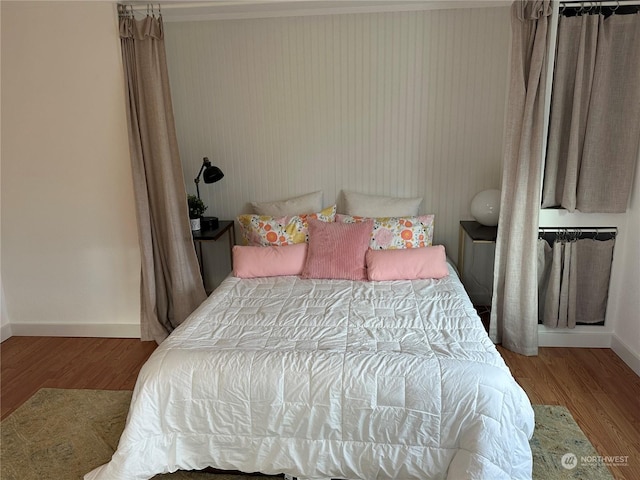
(402, 103)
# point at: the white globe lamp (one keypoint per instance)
(485, 207)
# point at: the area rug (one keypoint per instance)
(61, 434)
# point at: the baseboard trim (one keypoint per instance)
(627, 354)
(579, 337)
(546, 337)
(106, 330)
(5, 332)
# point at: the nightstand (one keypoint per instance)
(202, 236)
(476, 252)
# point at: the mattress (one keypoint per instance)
(327, 379)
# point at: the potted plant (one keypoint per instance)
(196, 209)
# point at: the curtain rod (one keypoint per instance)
(141, 7)
(579, 229)
(129, 10)
(621, 3)
(381, 5)
(167, 6)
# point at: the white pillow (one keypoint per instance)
(361, 205)
(308, 203)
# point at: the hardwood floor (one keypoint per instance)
(602, 393)
(599, 389)
(31, 363)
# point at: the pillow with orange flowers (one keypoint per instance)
(265, 231)
(397, 232)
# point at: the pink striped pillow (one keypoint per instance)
(337, 250)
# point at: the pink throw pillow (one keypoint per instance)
(337, 250)
(251, 262)
(407, 264)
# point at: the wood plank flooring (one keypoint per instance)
(602, 393)
(599, 389)
(31, 363)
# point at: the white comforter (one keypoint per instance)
(329, 379)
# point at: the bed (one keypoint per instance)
(322, 379)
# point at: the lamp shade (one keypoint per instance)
(212, 174)
(485, 207)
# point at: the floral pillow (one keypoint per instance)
(265, 231)
(397, 232)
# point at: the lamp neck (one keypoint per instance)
(205, 163)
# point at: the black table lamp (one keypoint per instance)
(210, 174)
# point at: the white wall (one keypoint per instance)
(404, 104)
(5, 324)
(70, 258)
(626, 304)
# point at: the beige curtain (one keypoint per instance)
(560, 300)
(552, 299)
(578, 283)
(171, 285)
(593, 260)
(594, 127)
(514, 313)
(544, 273)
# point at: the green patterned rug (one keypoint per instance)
(62, 434)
